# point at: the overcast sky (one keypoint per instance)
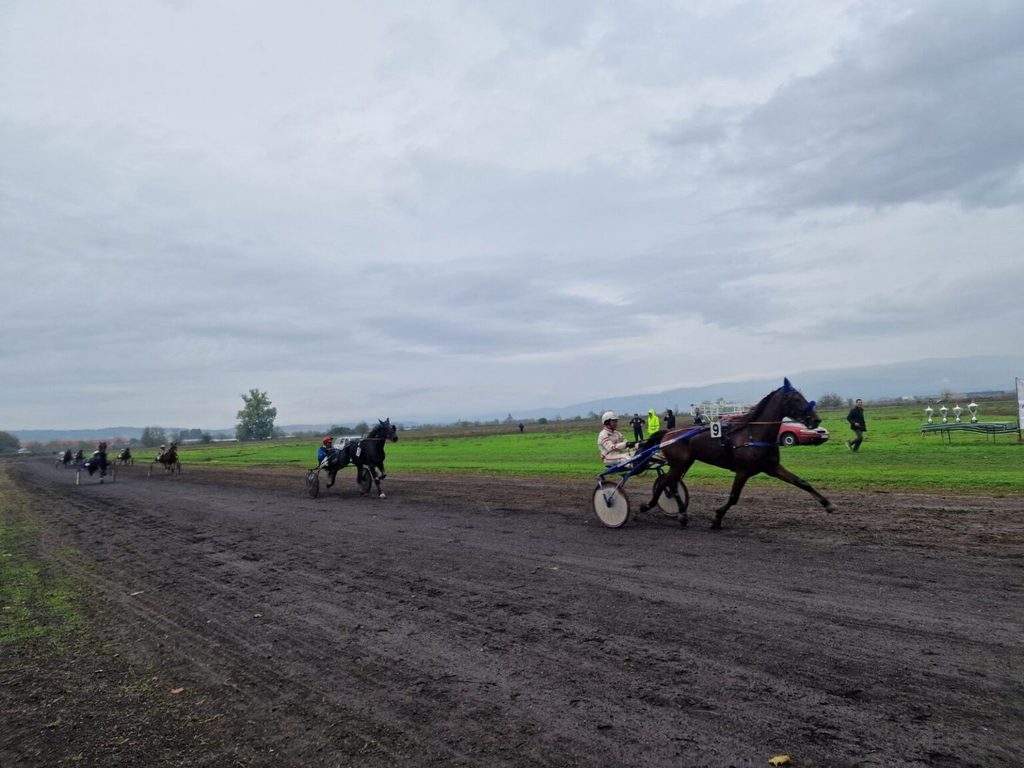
(451, 209)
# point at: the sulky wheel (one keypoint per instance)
(313, 483)
(365, 479)
(611, 505)
(674, 502)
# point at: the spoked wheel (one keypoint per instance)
(675, 501)
(365, 479)
(611, 504)
(313, 483)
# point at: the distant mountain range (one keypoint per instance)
(917, 378)
(963, 376)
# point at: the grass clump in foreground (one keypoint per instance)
(36, 603)
(70, 695)
(896, 456)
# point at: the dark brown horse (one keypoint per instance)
(748, 446)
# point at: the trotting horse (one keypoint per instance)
(748, 446)
(169, 458)
(367, 454)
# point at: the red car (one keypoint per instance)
(794, 433)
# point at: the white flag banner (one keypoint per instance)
(1020, 402)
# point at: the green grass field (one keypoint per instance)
(895, 455)
(37, 603)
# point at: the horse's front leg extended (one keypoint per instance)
(786, 476)
(734, 496)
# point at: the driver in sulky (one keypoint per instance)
(329, 457)
(98, 460)
(613, 446)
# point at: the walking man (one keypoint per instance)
(856, 419)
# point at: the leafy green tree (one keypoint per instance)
(152, 436)
(8, 442)
(361, 428)
(256, 419)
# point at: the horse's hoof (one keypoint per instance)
(683, 521)
(644, 507)
(716, 526)
(382, 496)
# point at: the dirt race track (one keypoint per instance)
(494, 622)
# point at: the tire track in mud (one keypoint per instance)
(442, 627)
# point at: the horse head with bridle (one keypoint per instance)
(748, 445)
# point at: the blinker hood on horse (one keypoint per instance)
(748, 445)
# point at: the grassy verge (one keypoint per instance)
(69, 694)
(896, 456)
(36, 603)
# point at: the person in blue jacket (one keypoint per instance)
(329, 458)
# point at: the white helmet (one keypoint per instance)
(608, 416)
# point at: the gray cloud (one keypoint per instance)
(929, 108)
(453, 210)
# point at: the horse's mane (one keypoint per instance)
(744, 419)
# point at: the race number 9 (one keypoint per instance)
(716, 429)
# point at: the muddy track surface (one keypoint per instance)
(494, 622)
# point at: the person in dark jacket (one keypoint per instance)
(856, 419)
(638, 427)
(670, 419)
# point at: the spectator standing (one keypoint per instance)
(857, 424)
(638, 427)
(653, 422)
(670, 419)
